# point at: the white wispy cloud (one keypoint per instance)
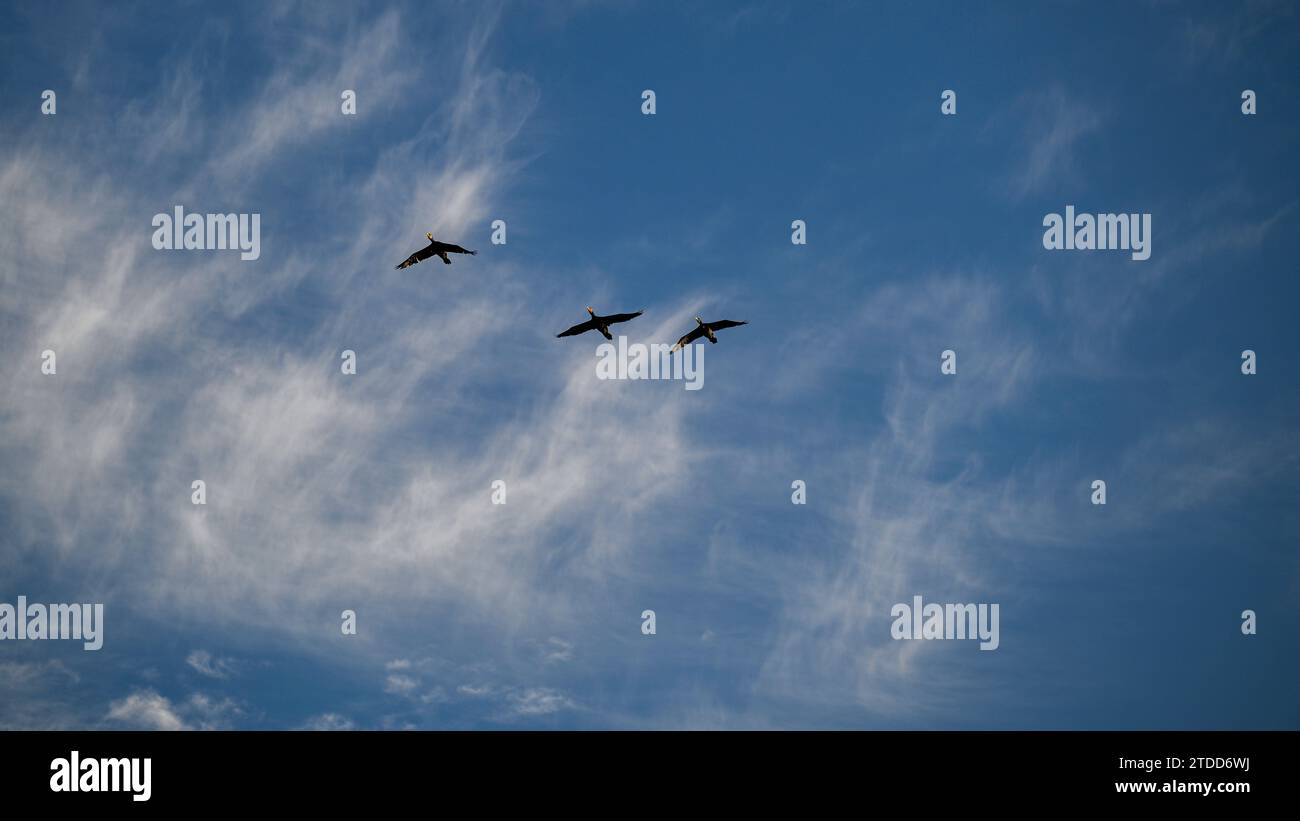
(911, 527)
(329, 721)
(1052, 124)
(148, 710)
(319, 493)
(398, 683)
(372, 492)
(205, 664)
(538, 701)
(924, 513)
(40, 695)
(556, 650)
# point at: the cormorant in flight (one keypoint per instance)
(705, 329)
(434, 248)
(598, 323)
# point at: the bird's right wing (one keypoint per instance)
(725, 323)
(420, 255)
(580, 328)
(689, 338)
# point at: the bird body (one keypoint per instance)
(706, 330)
(434, 248)
(598, 323)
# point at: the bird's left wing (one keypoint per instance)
(622, 317)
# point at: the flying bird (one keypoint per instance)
(598, 323)
(434, 249)
(705, 329)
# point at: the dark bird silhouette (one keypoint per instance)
(705, 329)
(434, 249)
(598, 323)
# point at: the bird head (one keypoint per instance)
(429, 234)
(590, 311)
(700, 321)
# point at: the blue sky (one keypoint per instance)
(372, 492)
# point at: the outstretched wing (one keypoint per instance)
(447, 247)
(622, 317)
(725, 323)
(580, 328)
(689, 338)
(420, 255)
